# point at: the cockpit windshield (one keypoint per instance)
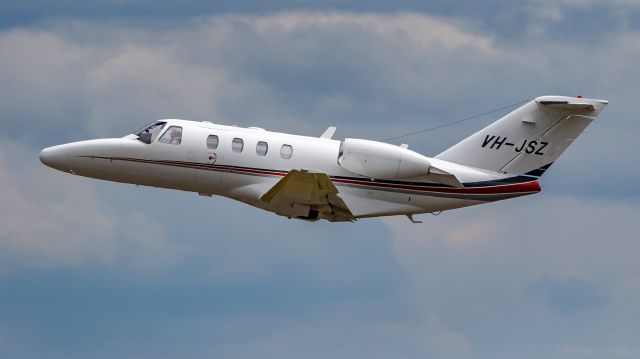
(148, 133)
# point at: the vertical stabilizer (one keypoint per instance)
(528, 139)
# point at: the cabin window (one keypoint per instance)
(262, 148)
(172, 136)
(212, 142)
(149, 133)
(237, 145)
(286, 151)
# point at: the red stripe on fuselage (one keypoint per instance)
(532, 186)
(510, 188)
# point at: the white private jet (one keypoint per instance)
(320, 178)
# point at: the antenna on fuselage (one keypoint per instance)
(456, 122)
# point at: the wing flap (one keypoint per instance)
(307, 195)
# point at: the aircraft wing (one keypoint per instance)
(307, 195)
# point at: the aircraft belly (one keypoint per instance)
(207, 181)
(362, 202)
(370, 203)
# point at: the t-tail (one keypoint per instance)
(529, 139)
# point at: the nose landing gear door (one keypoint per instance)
(208, 172)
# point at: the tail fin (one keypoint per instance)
(529, 139)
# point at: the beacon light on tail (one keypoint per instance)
(315, 178)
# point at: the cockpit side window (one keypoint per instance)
(172, 136)
(149, 133)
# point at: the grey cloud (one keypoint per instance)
(509, 17)
(292, 71)
(52, 220)
(566, 296)
(377, 75)
(3, 339)
(225, 287)
(246, 289)
(503, 264)
(39, 219)
(43, 79)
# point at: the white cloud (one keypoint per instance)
(422, 30)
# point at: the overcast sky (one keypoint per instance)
(104, 270)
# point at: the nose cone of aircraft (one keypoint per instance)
(55, 157)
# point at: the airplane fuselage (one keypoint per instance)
(244, 163)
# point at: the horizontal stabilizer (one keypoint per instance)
(568, 106)
(573, 105)
(440, 176)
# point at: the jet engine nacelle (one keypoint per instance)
(381, 160)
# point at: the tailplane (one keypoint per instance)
(529, 139)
